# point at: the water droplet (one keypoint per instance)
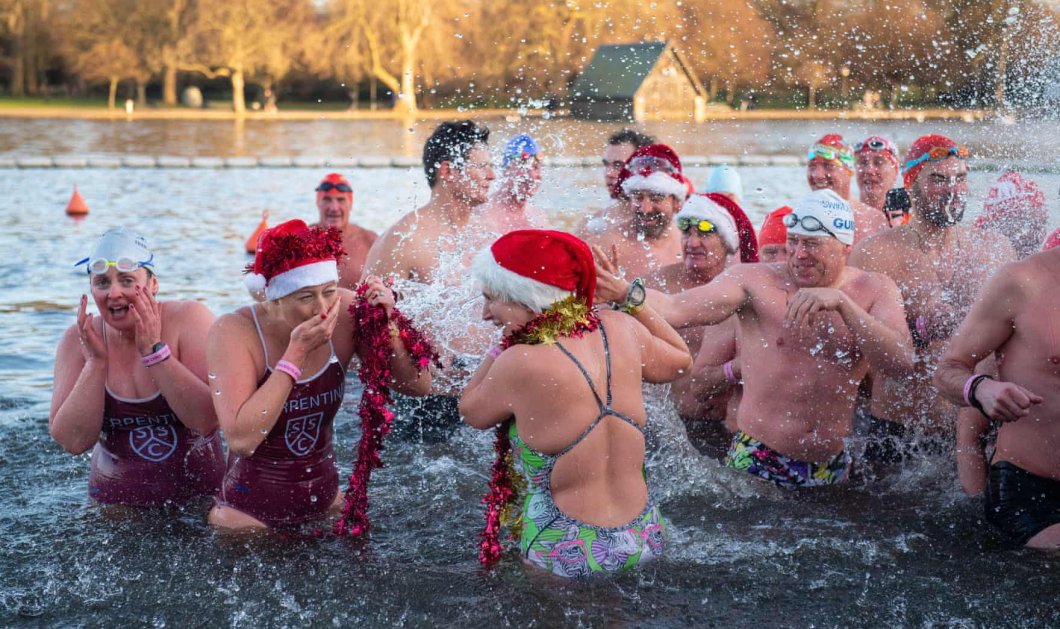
(312, 499)
(309, 470)
(211, 376)
(217, 392)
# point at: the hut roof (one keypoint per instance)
(617, 71)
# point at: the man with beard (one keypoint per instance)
(619, 147)
(335, 201)
(708, 237)
(809, 329)
(830, 166)
(428, 252)
(509, 208)
(877, 171)
(939, 267)
(646, 239)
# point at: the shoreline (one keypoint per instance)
(712, 115)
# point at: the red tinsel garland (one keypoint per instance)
(502, 488)
(373, 331)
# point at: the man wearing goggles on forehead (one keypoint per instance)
(335, 202)
(940, 266)
(830, 166)
(647, 239)
(876, 164)
(708, 237)
(130, 382)
(509, 208)
(810, 329)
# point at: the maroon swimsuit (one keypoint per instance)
(147, 457)
(291, 478)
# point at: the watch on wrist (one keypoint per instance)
(636, 295)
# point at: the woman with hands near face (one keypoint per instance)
(280, 375)
(131, 383)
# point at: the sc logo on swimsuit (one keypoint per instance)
(153, 443)
(302, 433)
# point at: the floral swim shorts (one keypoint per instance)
(754, 457)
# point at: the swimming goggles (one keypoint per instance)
(99, 266)
(646, 164)
(702, 225)
(327, 186)
(831, 153)
(937, 153)
(809, 223)
(876, 144)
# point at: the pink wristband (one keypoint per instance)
(495, 351)
(290, 369)
(730, 377)
(161, 355)
(968, 389)
(921, 328)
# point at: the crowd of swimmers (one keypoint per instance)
(883, 318)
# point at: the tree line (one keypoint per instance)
(967, 52)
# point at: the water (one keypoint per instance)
(909, 550)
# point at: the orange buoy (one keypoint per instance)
(251, 244)
(77, 205)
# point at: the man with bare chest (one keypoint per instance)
(809, 329)
(830, 166)
(708, 237)
(428, 251)
(646, 238)
(939, 265)
(335, 202)
(1017, 318)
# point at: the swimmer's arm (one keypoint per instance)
(405, 377)
(664, 354)
(971, 458)
(486, 400)
(246, 412)
(708, 370)
(882, 335)
(76, 416)
(183, 378)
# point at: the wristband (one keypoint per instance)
(290, 369)
(730, 377)
(968, 388)
(158, 356)
(921, 328)
(495, 351)
(976, 404)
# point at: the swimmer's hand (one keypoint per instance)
(1005, 401)
(379, 294)
(807, 301)
(92, 348)
(610, 287)
(311, 334)
(147, 315)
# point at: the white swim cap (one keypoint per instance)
(120, 247)
(725, 179)
(822, 213)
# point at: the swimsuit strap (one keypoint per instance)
(605, 409)
(261, 335)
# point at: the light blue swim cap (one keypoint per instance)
(725, 179)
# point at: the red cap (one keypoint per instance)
(744, 228)
(922, 145)
(334, 179)
(1052, 241)
(773, 231)
(1012, 197)
(551, 257)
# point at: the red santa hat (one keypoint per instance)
(1011, 201)
(773, 231)
(699, 206)
(291, 256)
(654, 168)
(1052, 241)
(744, 228)
(537, 268)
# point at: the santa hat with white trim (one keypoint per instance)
(291, 256)
(699, 207)
(537, 268)
(654, 168)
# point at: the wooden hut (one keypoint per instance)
(645, 81)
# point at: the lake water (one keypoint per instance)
(907, 550)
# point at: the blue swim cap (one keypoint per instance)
(522, 147)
